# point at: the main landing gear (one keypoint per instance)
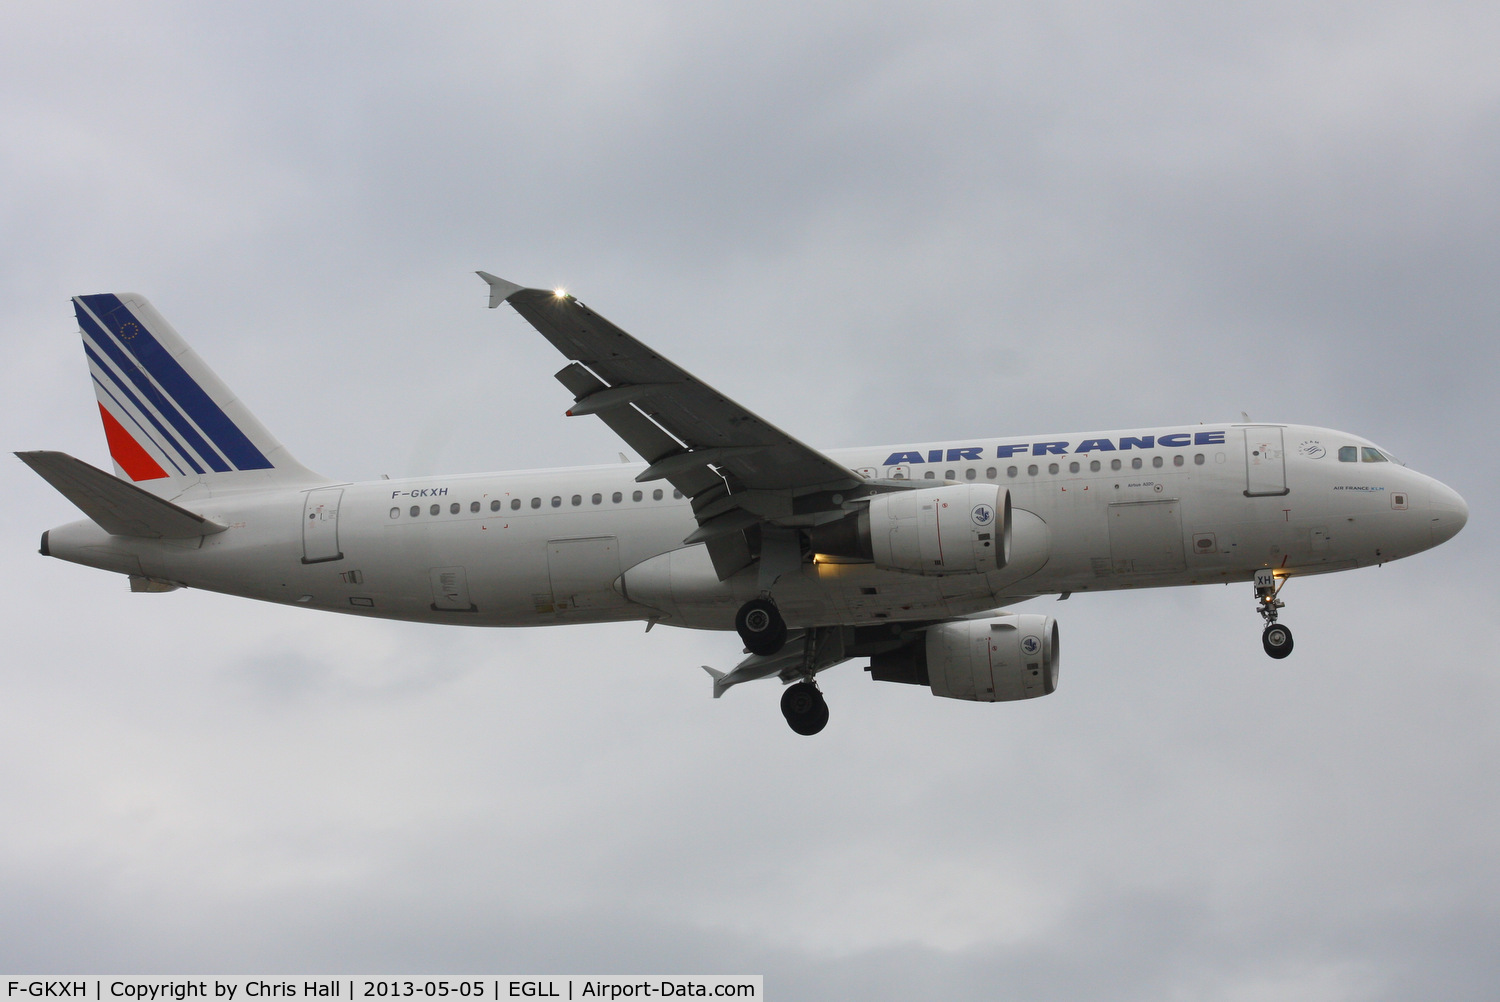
(804, 708)
(760, 626)
(1276, 639)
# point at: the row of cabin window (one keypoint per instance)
(1095, 466)
(515, 503)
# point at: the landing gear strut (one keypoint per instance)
(1276, 639)
(760, 626)
(804, 708)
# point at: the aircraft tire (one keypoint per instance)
(805, 709)
(1277, 640)
(760, 626)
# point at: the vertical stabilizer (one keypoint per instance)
(170, 422)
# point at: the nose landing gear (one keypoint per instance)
(1275, 638)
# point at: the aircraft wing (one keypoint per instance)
(739, 469)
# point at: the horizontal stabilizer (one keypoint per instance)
(119, 507)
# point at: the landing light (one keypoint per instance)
(560, 292)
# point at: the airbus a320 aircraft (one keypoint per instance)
(903, 554)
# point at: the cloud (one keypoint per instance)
(869, 225)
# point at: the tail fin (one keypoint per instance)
(170, 422)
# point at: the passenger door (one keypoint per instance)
(1265, 462)
(320, 526)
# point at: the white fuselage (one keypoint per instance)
(1097, 511)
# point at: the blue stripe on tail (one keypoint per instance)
(148, 390)
(127, 413)
(129, 332)
(165, 435)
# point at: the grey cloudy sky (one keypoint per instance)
(871, 223)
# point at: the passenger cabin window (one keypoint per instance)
(950, 475)
(1031, 470)
(677, 495)
(597, 499)
(1094, 466)
(577, 500)
(636, 496)
(395, 513)
(929, 475)
(1198, 459)
(556, 501)
(1373, 455)
(990, 473)
(971, 473)
(616, 497)
(656, 494)
(435, 509)
(1156, 461)
(1177, 460)
(1114, 464)
(515, 504)
(536, 502)
(1135, 464)
(1052, 468)
(474, 506)
(1073, 467)
(453, 508)
(1011, 471)
(1348, 454)
(415, 511)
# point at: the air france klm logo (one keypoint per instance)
(974, 453)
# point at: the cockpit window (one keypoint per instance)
(1349, 454)
(1374, 455)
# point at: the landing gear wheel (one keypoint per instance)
(804, 708)
(760, 626)
(1277, 640)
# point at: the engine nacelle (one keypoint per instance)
(951, 529)
(1008, 657)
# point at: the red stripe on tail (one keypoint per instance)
(125, 450)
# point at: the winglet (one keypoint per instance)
(718, 677)
(500, 289)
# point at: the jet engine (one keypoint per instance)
(988, 660)
(952, 529)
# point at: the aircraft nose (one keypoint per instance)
(1449, 512)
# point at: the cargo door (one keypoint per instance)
(583, 572)
(1145, 537)
(320, 526)
(450, 590)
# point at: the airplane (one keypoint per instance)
(907, 555)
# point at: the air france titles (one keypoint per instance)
(1125, 443)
